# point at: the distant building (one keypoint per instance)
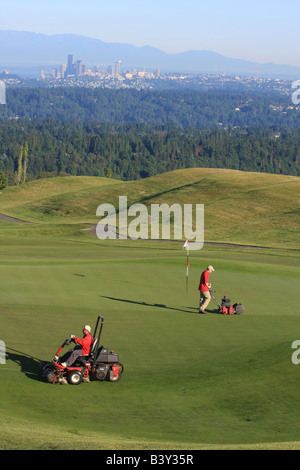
(118, 67)
(62, 70)
(70, 66)
(78, 68)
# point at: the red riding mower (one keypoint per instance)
(226, 308)
(100, 364)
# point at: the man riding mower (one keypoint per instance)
(85, 361)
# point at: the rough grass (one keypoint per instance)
(242, 208)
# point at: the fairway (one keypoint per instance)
(190, 381)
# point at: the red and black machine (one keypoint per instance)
(100, 364)
(225, 306)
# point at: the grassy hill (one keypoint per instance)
(190, 381)
(240, 207)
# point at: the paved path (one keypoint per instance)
(113, 234)
(12, 219)
(109, 230)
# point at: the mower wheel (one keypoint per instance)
(116, 378)
(44, 365)
(74, 377)
(50, 376)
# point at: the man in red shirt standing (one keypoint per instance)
(82, 350)
(204, 287)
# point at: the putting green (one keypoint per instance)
(190, 380)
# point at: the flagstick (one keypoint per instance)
(186, 246)
(187, 269)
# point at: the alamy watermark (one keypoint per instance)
(296, 94)
(2, 92)
(296, 354)
(136, 222)
(2, 352)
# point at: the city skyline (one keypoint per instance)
(260, 31)
(77, 69)
(26, 53)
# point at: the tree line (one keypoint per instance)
(182, 108)
(35, 148)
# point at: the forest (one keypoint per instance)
(182, 108)
(130, 134)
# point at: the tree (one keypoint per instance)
(25, 162)
(20, 167)
(3, 180)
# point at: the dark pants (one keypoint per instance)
(70, 357)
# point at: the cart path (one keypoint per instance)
(111, 230)
(112, 233)
(7, 218)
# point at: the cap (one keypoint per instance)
(87, 327)
(210, 268)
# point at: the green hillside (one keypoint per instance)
(240, 207)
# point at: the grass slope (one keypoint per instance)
(191, 381)
(243, 208)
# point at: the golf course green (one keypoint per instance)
(190, 381)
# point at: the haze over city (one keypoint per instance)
(260, 31)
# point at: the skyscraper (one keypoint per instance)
(70, 67)
(118, 67)
(78, 68)
(62, 70)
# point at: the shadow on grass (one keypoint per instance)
(29, 364)
(193, 310)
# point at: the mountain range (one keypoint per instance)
(27, 52)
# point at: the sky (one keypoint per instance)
(257, 30)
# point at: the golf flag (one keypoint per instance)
(186, 246)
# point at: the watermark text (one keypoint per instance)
(296, 94)
(162, 222)
(296, 354)
(2, 352)
(2, 92)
